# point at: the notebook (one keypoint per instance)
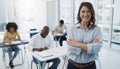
(45, 54)
(15, 42)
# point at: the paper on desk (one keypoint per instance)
(45, 54)
(7, 43)
(15, 42)
(58, 34)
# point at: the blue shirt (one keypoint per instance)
(77, 33)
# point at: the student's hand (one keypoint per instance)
(53, 32)
(37, 49)
(44, 48)
(16, 39)
(7, 41)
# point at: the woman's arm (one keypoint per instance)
(17, 37)
(93, 47)
(83, 46)
(6, 40)
(72, 42)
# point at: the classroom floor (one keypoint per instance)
(108, 59)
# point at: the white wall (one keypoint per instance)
(2, 11)
(51, 14)
(10, 11)
(116, 19)
(7, 10)
(30, 14)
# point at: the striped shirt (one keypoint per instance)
(77, 33)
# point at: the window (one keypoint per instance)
(2, 16)
(66, 10)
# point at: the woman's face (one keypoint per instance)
(12, 29)
(85, 14)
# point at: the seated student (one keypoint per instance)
(11, 35)
(41, 42)
(59, 29)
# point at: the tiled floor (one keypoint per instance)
(109, 59)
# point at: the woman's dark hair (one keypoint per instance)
(61, 21)
(11, 24)
(90, 7)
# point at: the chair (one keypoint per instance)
(37, 63)
(33, 32)
(59, 38)
(20, 54)
(65, 58)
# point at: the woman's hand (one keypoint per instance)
(16, 39)
(7, 41)
(77, 44)
(96, 40)
(72, 42)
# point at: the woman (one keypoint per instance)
(9, 36)
(84, 39)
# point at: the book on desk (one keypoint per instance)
(45, 54)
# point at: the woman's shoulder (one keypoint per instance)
(16, 32)
(6, 33)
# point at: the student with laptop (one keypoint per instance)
(84, 39)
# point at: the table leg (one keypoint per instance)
(65, 62)
(25, 54)
(4, 58)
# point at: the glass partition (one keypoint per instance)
(66, 11)
(2, 15)
(116, 23)
(104, 18)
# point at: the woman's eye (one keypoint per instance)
(83, 11)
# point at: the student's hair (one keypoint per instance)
(46, 27)
(11, 24)
(61, 21)
(90, 7)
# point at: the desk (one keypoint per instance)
(2, 45)
(57, 37)
(54, 53)
(58, 34)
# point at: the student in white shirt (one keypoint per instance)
(60, 29)
(40, 42)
